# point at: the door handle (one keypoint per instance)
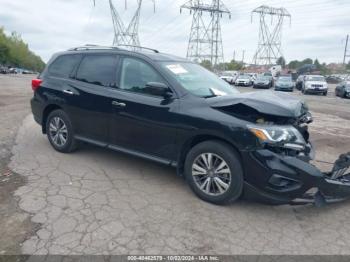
(69, 92)
(118, 104)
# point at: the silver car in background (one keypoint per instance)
(314, 84)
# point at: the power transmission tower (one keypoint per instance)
(205, 42)
(346, 50)
(126, 35)
(270, 34)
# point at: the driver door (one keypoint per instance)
(143, 122)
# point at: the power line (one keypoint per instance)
(205, 42)
(126, 35)
(346, 50)
(270, 34)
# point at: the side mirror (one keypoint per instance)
(158, 89)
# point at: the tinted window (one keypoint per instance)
(98, 70)
(136, 74)
(64, 65)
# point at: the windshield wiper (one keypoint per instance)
(210, 96)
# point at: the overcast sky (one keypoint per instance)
(318, 28)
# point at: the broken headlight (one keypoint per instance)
(284, 136)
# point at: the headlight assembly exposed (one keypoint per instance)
(279, 135)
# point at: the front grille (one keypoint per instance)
(317, 86)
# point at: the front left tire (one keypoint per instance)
(214, 172)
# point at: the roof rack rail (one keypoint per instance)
(90, 47)
(141, 47)
(99, 47)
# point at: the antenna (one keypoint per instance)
(270, 34)
(205, 42)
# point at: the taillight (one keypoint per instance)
(36, 83)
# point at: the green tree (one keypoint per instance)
(234, 65)
(317, 64)
(207, 64)
(15, 52)
(348, 66)
(293, 64)
(307, 61)
(281, 61)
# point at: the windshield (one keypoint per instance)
(244, 77)
(315, 78)
(263, 78)
(284, 79)
(198, 80)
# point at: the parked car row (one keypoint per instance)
(12, 70)
(307, 84)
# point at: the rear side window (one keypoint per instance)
(64, 65)
(98, 70)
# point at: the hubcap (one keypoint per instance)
(211, 174)
(58, 131)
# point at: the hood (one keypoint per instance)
(265, 102)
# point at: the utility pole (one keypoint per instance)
(205, 42)
(243, 53)
(234, 55)
(346, 50)
(270, 34)
(126, 35)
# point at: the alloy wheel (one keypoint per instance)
(211, 174)
(58, 131)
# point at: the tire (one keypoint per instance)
(232, 189)
(325, 93)
(58, 118)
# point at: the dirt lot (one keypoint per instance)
(14, 106)
(100, 202)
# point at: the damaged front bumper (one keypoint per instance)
(280, 179)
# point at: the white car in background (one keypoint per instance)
(244, 80)
(315, 84)
(229, 76)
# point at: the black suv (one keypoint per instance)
(170, 110)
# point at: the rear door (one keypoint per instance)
(89, 96)
(143, 122)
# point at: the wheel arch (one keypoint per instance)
(48, 109)
(197, 139)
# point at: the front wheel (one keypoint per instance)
(60, 132)
(214, 172)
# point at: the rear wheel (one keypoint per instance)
(214, 172)
(325, 93)
(60, 132)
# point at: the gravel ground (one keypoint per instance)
(14, 106)
(100, 202)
